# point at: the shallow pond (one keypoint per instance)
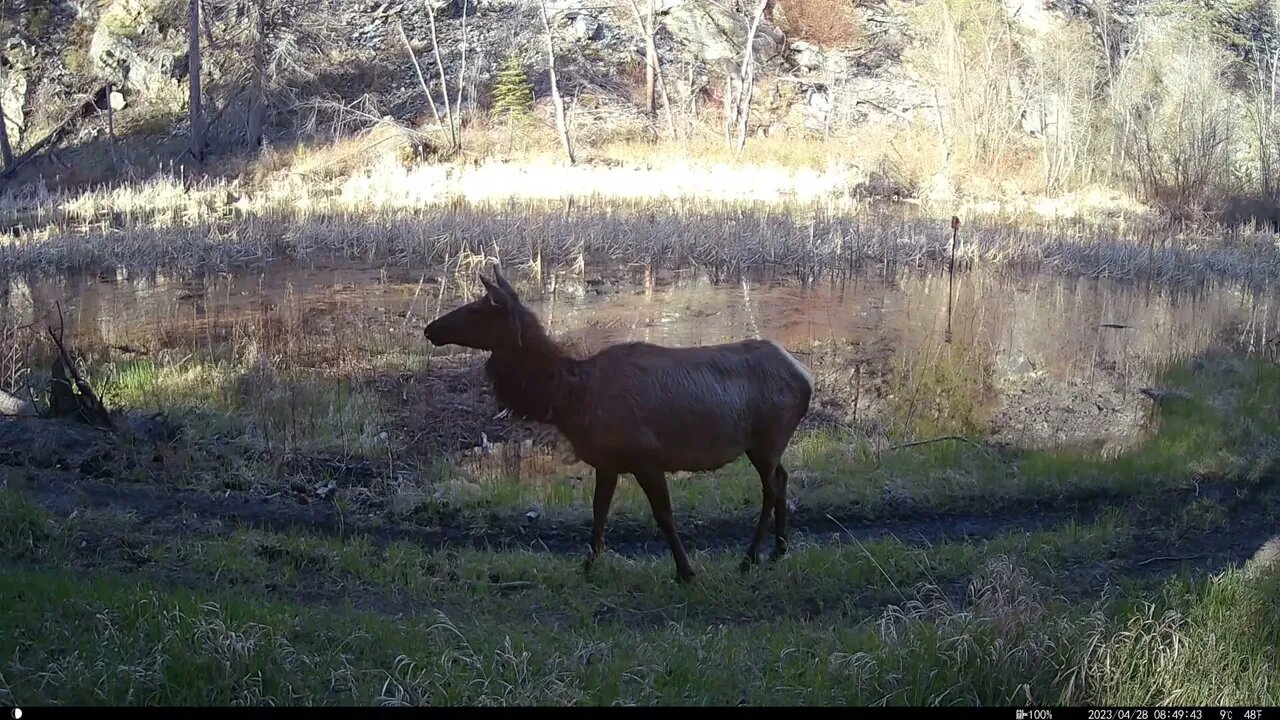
(1032, 360)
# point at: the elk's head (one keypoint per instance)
(493, 322)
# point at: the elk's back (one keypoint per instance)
(692, 408)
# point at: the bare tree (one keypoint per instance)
(747, 76)
(444, 83)
(1066, 70)
(462, 72)
(1264, 114)
(257, 82)
(652, 68)
(262, 54)
(6, 151)
(1175, 117)
(422, 80)
(193, 60)
(562, 126)
(453, 111)
(976, 70)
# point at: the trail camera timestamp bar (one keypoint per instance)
(1141, 713)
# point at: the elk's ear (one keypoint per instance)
(496, 294)
(504, 297)
(501, 279)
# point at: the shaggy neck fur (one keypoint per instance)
(526, 377)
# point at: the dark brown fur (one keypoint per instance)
(644, 409)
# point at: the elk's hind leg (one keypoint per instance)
(766, 463)
(780, 478)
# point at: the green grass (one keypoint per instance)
(458, 633)
(819, 580)
(294, 409)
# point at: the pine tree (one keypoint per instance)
(512, 91)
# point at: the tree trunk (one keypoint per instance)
(193, 63)
(6, 151)
(444, 83)
(653, 69)
(111, 125)
(746, 82)
(650, 61)
(561, 125)
(257, 87)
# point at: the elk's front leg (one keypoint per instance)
(606, 483)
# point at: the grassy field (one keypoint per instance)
(947, 573)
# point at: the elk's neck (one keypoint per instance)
(530, 379)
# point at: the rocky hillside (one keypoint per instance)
(346, 62)
(825, 68)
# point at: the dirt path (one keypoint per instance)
(139, 517)
(161, 511)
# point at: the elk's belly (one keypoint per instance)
(669, 446)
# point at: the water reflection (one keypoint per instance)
(1063, 357)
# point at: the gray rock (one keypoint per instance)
(126, 50)
(807, 55)
(13, 406)
(13, 98)
(715, 33)
(584, 27)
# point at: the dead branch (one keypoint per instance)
(444, 82)
(943, 438)
(62, 401)
(435, 112)
(81, 106)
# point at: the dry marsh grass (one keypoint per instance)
(414, 222)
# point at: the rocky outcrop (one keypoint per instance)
(134, 50)
(13, 98)
(716, 34)
(21, 61)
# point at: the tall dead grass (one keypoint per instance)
(424, 218)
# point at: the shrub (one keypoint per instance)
(1174, 117)
(826, 23)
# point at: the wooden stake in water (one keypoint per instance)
(951, 271)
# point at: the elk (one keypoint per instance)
(642, 409)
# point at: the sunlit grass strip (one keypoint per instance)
(220, 228)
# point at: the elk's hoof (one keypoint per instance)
(747, 563)
(777, 554)
(685, 576)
